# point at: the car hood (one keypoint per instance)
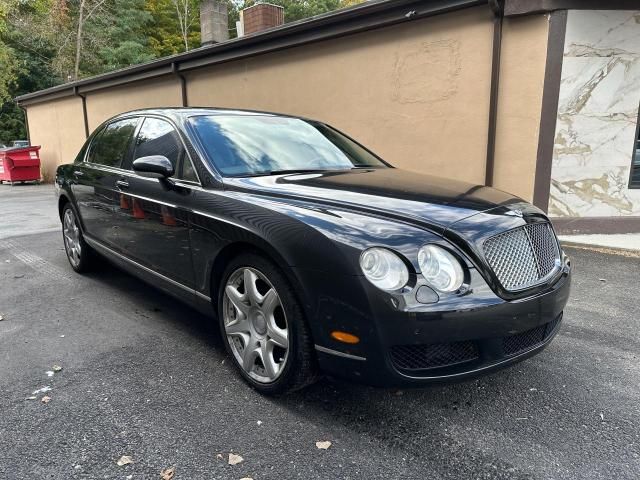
(429, 201)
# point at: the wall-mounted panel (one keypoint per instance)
(522, 74)
(597, 116)
(103, 104)
(58, 127)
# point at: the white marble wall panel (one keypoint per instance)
(597, 116)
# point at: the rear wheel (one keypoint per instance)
(263, 326)
(79, 254)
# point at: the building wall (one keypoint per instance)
(522, 73)
(597, 115)
(104, 104)
(416, 93)
(57, 126)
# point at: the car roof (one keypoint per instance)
(185, 112)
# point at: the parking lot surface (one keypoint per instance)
(147, 377)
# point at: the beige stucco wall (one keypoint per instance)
(416, 93)
(103, 104)
(58, 127)
(522, 71)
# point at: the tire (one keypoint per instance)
(256, 318)
(79, 254)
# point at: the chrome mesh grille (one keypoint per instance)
(522, 257)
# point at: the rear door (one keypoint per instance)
(156, 233)
(94, 183)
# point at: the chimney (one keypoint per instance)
(261, 17)
(214, 22)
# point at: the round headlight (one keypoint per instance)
(440, 268)
(384, 269)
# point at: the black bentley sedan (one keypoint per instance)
(314, 254)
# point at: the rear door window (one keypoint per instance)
(110, 147)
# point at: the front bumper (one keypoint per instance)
(399, 348)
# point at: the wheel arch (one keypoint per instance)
(236, 248)
(62, 201)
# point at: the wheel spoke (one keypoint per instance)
(237, 299)
(249, 354)
(279, 336)
(266, 355)
(251, 288)
(269, 302)
(240, 326)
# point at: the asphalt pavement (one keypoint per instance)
(146, 377)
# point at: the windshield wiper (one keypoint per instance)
(284, 171)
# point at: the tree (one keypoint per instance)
(188, 13)
(166, 33)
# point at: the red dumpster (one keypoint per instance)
(19, 164)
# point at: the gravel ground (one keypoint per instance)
(147, 377)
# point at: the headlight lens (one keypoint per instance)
(440, 268)
(384, 269)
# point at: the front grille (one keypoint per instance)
(524, 256)
(515, 344)
(421, 357)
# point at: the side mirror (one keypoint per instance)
(158, 165)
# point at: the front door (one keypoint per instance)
(155, 228)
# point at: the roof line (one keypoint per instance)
(365, 16)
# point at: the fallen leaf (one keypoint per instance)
(323, 445)
(219, 456)
(45, 399)
(167, 473)
(235, 459)
(57, 368)
(124, 460)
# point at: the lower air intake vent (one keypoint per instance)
(421, 357)
(521, 342)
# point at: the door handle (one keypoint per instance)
(78, 173)
(121, 184)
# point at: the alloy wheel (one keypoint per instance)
(255, 324)
(71, 233)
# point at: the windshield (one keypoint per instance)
(241, 145)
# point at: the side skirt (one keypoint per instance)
(186, 294)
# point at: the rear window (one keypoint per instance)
(112, 144)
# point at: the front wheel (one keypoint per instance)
(78, 252)
(263, 326)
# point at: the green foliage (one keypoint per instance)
(163, 32)
(117, 37)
